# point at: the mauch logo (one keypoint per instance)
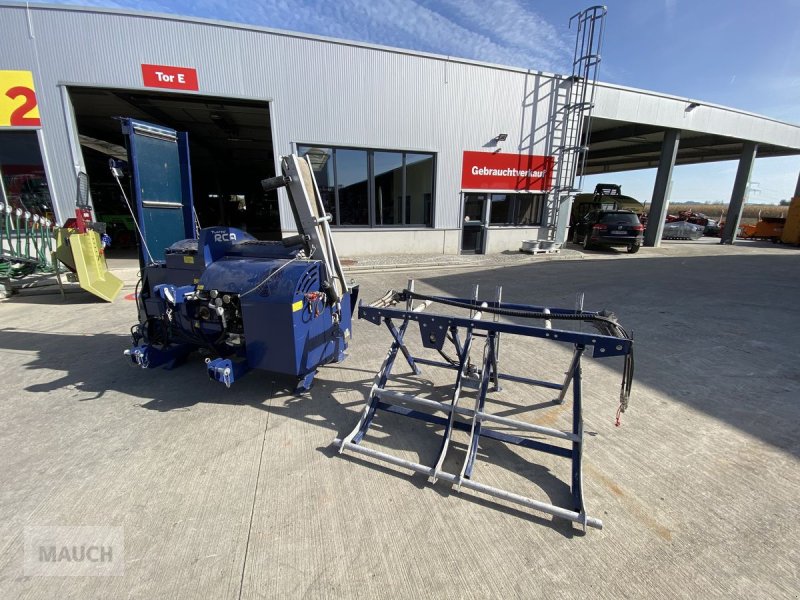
(94, 554)
(225, 237)
(74, 551)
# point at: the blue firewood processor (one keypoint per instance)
(280, 306)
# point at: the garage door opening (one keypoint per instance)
(231, 152)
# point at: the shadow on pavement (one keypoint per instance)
(720, 333)
(100, 367)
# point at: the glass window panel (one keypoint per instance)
(529, 209)
(419, 188)
(501, 209)
(22, 170)
(388, 168)
(473, 208)
(352, 184)
(344, 179)
(321, 160)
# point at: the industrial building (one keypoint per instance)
(413, 152)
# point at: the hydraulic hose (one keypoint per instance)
(605, 323)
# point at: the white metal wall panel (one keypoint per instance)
(322, 91)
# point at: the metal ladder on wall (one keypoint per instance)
(576, 115)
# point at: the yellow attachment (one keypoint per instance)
(82, 253)
(63, 251)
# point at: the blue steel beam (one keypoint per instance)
(603, 345)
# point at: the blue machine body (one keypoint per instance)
(243, 303)
(289, 331)
(254, 304)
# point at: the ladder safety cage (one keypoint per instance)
(573, 132)
(396, 311)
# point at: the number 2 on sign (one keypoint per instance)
(18, 105)
(19, 116)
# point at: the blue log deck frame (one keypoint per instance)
(460, 333)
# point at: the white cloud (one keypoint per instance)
(499, 31)
(515, 28)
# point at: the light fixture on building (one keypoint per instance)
(501, 137)
(691, 106)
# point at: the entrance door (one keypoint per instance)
(474, 225)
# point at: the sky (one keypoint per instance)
(738, 53)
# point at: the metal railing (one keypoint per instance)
(27, 242)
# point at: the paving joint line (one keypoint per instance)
(255, 492)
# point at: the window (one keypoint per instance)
(516, 209)
(388, 171)
(373, 188)
(501, 209)
(419, 189)
(352, 187)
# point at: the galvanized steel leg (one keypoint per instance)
(550, 509)
(480, 403)
(495, 369)
(462, 360)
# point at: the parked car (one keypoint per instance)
(609, 228)
(682, 230)
(712, 228)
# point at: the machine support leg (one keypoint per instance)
(398, 338)
(456, 340)
(577, 431)
(365, 421)
(498, 297)
(463, 358)
(576, 356)
(480, 403)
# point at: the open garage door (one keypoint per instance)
(230, 144)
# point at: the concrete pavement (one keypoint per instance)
(238, 493)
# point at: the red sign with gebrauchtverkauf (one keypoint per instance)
(500, 171)
(173, 78)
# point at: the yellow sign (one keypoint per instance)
(297, 306)
(18, 106)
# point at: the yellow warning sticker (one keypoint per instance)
(189, 260)
(297, 306)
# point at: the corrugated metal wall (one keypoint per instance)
(321, 91)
